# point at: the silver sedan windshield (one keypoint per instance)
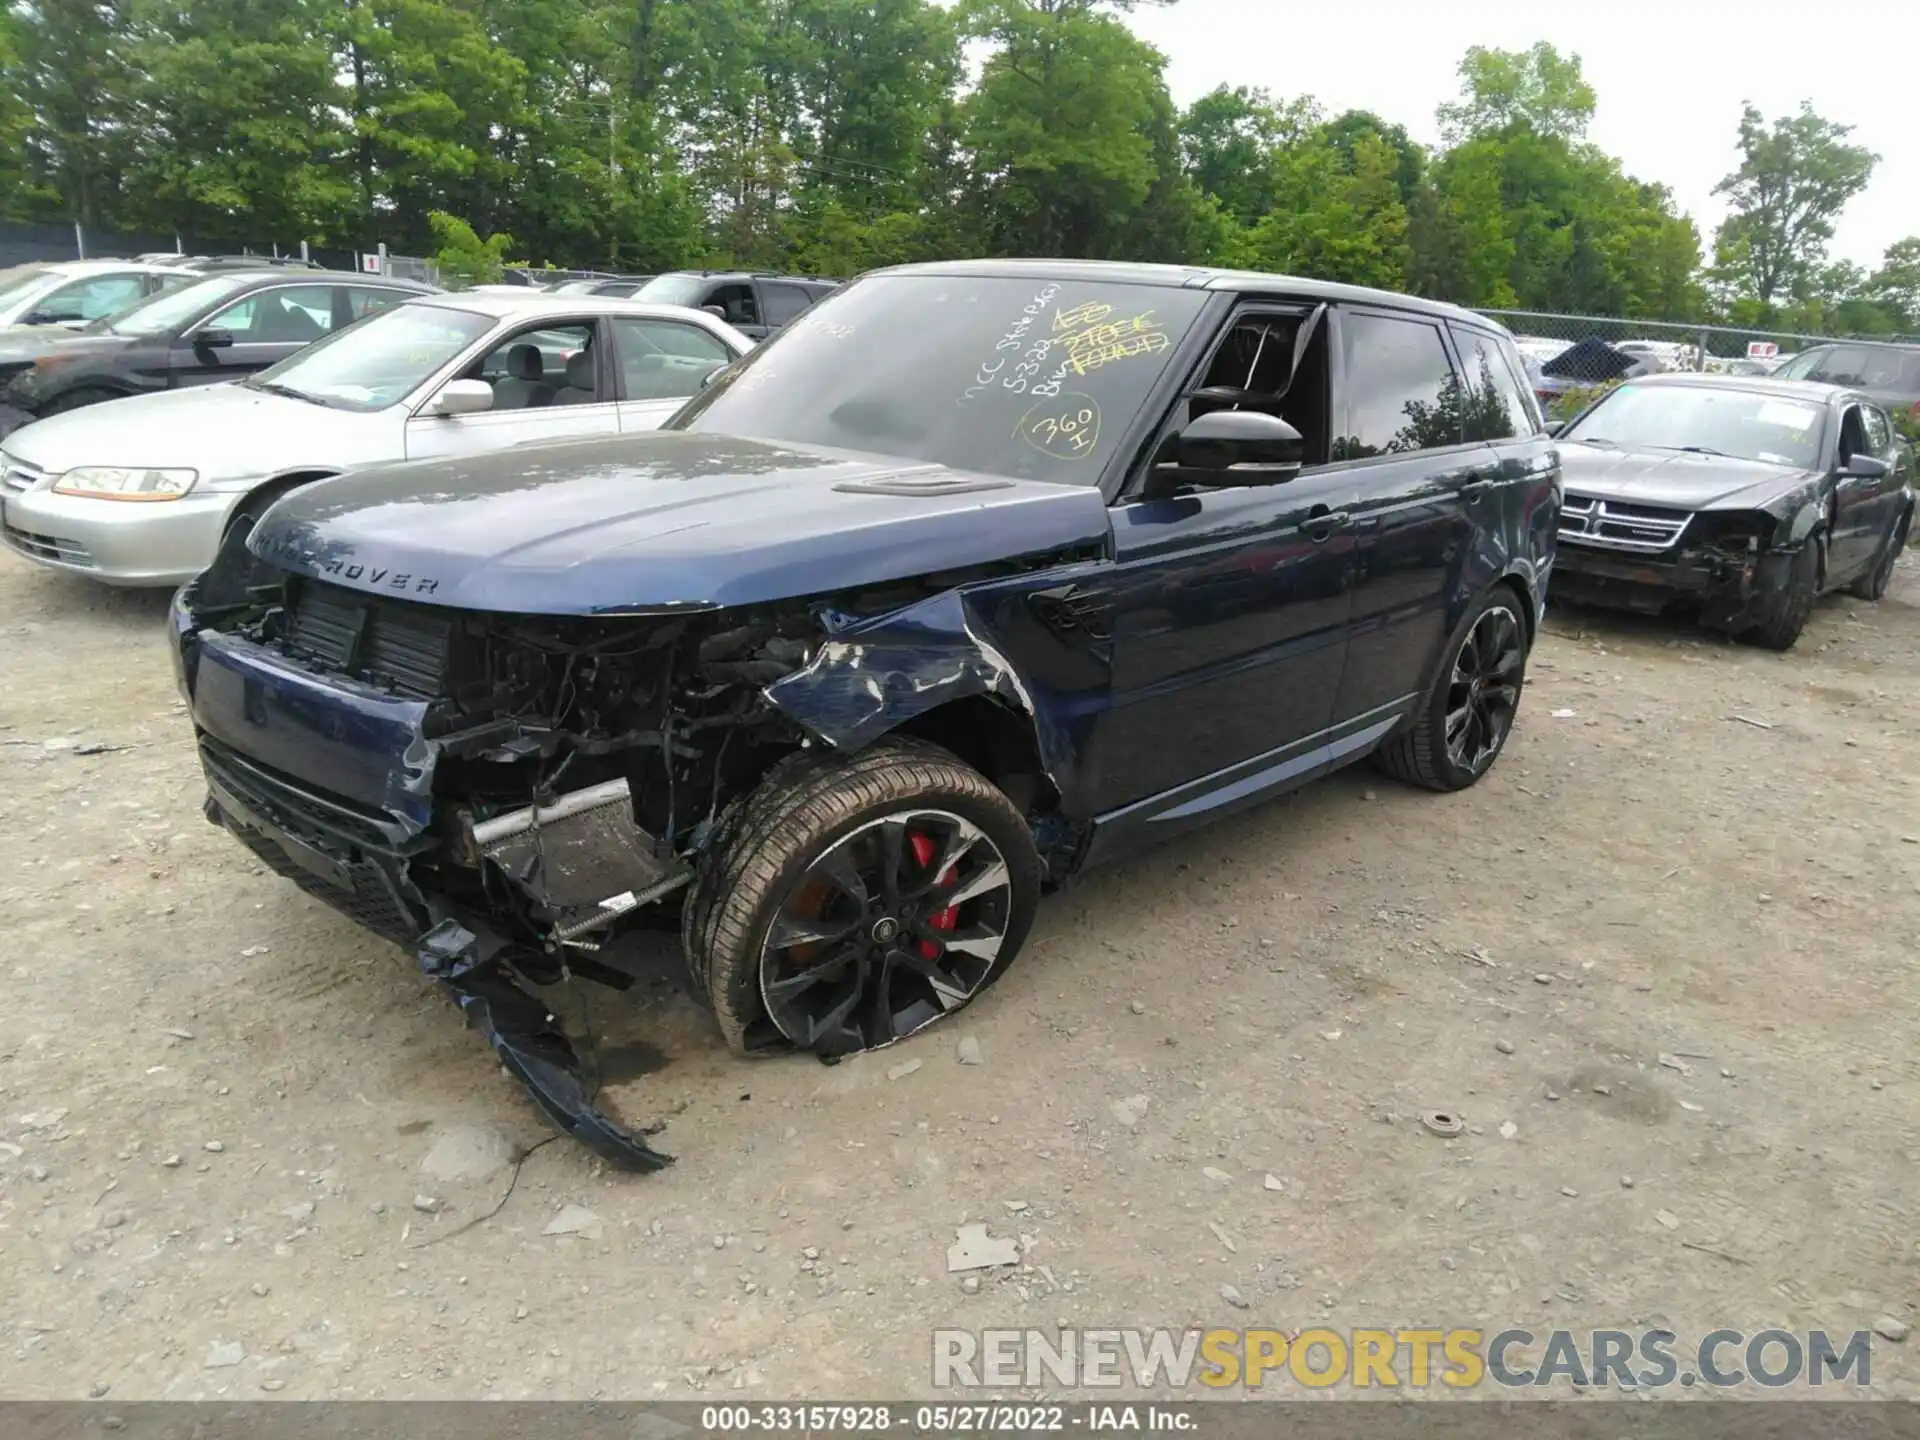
(377, 362)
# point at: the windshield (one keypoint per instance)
(378, 361)
(673, 289)
(19, 281)
(1745, 424)
(171, 309)
(1018, 376)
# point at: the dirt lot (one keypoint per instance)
(217, 1096)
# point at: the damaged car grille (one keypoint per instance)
(1585, 520)
(406, 647)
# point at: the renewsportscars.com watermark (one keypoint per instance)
(1461, 1359)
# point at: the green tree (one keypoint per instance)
(239, 135)
(463, 257)
(1500, 90)
(70, 72)
(1061, 126)
(1895, 285)
(1795, 178)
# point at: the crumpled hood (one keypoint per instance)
(659, 522)
(219, 430)
(1677, 479)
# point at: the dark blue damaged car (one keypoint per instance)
(974, 576)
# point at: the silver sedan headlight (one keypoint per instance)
(116, 482)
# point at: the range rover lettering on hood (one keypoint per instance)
(663, 523)
(287, 551)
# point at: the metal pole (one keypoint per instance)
(383, 257)
(305, 258)
(79, 241)
(178, 249)
(1703, 350)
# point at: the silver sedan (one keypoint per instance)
(140, 491)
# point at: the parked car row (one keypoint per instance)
(420, 376)
(971, 577)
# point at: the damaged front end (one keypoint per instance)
(1728, 568)
(499, 794)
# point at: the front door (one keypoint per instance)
(260, 330)
(1228, 608)
(550, 381)
(1858, 502)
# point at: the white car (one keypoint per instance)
(73, 292)
(140, 491)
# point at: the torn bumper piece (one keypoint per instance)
(474, 970)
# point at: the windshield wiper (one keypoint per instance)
(1693, 450)
(1599, 440)
(287, 390)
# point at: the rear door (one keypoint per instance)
(536, 372)
(660, 364)
(260, 329)
(1419, 483)
(781, 302)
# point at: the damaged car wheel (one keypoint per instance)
(854, 902)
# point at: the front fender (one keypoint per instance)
(871, 677)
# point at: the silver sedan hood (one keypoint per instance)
(225, 431)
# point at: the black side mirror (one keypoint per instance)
(51, 317)
(1865, 467)
(1554, 427)
(212, 339)
(1229, 448)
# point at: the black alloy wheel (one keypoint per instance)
(848, 901)
(1462, 724)
(1484, 689)
(893, 926)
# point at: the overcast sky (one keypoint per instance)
(1670, 75)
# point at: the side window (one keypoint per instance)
(1842, 365)
(664, 360)
(1253, 369)
(738, 303)
(1879, 432)
(1402, 392)
(1495, 408)
(535, 368)
(1802, 365)
(784, 302)
(363, 301)
(1853, 434)
(298, 314)
(92, 299)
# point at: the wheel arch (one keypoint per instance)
(995, 739)
(270, 490)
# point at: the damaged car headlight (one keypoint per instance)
(116, 482)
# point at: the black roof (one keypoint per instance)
(1121, 272)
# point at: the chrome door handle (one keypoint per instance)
(1322, 522)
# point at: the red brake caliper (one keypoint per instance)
(923, 852)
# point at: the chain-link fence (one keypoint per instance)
(1720, 349)
(1570, 358)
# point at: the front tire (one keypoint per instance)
(850, 903)
(1782, 630)
(1463, 725)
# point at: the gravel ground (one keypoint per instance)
(1661, 962)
